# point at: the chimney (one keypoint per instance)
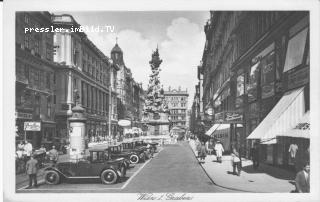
(179, 88)
(169, 88)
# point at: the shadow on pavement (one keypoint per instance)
(269, 170)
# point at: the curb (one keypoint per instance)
(230, 188)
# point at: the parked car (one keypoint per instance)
(97, 165)
(141, 143)
(116, 151)
(139, 153)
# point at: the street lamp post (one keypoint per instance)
(110, 104)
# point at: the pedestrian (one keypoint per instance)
(151, 150)
(254, 152)
(219, 150)
(21, 146)
(27, 148)
(42, 148)
(31, 170)
(236, 162)
(53, 155)
(198, 145)
(202, 152)
(303, 180)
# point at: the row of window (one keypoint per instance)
(174, 118)
(94, 99)
(34, 77)
(40, 43)
(177, 111)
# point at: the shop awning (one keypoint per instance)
(284, 116)
(217, 126)
(302, 128)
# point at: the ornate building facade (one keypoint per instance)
(177, 101)
(86, 72)
(253, 62)
(35, 78)
(130, 92)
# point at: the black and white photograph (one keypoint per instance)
(124, 101)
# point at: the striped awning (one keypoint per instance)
(284, 116)
(217, 126)
(302, 129)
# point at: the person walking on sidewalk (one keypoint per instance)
(31, 170)
(202, 152)
(255, 155)
(219, 150)
(303, 180)
(236, 162)
(198, 145)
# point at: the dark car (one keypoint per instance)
(116, 151)
(139, 153)
(141, 143)
(97, 165)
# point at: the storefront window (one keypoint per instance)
(253, 82)
(267, 76)
(295, 50)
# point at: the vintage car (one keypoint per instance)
(97, 165)
(116, 151)
(139, 153)
(141, 143)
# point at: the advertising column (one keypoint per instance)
(77, 133)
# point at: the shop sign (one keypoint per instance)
(124, 122)
(21, 115)
(233, 117)
(32, 126)
(229, 117)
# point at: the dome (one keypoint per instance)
(116, 48)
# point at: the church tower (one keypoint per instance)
(117, 54)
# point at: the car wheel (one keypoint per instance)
(134, 159)
(52, 177)
(109, 176)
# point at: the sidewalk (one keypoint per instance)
(24, 179)
(266, 179)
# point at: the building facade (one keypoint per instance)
(84, 74)
(130, 92)
(34, 79)
(177, 101)
(252, 63)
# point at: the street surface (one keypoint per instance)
(173, 169)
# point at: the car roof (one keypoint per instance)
(99, 148)
(115, 145)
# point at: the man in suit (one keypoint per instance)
(32, 169)
(303, 180)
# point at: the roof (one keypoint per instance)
(116, 48)
(99, 148)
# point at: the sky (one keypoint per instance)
(179, 36)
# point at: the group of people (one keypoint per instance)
(27, 160)
(203, 150)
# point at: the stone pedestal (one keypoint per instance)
(77, 133)
(158, 125)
